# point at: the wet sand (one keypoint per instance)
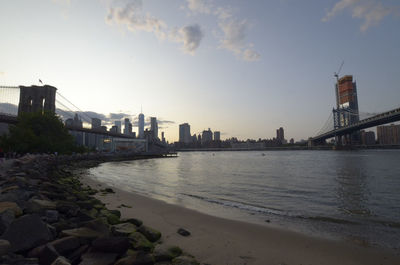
(219, 241)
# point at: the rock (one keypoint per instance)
(108, 190)
(140, 242)
(134, 221)
(87, 215)
(98, 258)
(4, 247)
(61, 261)
(140, 258)
(4, 206)
(184, 260)
(39, 206)
(123, 229)
(83, 233)
(183, 232)
(68, 208)
(85, 204)
(10, 188)
(48, 255)
(51, 216)
(75, 256)
(27, 232)
(117, 245)
(150, 233)
(165, 253)
(66, 244)
(115, 212)
(111, 218)
(99, 225)
(6, 219)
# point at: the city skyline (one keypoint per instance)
(245, 68)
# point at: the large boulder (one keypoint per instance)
(4, 247)
(140, 242)
(163, 252)
(82, 233)
(140, 258)
(61, 261)
(150, 233)
(117, 245)
(27, 232)
(6, 218)
(4, 206)
(66, 244)
(184, 260)
(98, 258)
(39, 206)
(123, 229)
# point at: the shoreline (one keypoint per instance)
(216, 240)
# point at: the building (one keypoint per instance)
(280, 135)
(128, 127)
(37, 99)
(114, 129)
(96, 123)
(162, 137)
(154, 127)
(217, 136)
(184, 133)
(291, 141)
(206, 136)
(141, 126)
(367, 138)
(76, 122)
(388, 135)
(119, 125)
(346, 112)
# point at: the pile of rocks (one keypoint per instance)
(48, 217)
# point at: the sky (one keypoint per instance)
(244, 68)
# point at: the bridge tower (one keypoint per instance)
(346, 112)
(37, 99)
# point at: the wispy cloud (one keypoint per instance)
(233, 31)
(190, 37)
(370, 11)
(130, 15)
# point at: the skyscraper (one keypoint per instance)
(119, 125)
(96, 123)
(206, 136)
(154, 126)
(280, 135)
(128, 127)
(141, 126)
(217, 136)
(184, 133)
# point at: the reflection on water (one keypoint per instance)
(347, 194)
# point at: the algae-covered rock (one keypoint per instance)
(83, 233)
(165, 253)
(117, 245)
(123, 229)
(111, 218)
(140, 242)
(134, 221)
(139, 258)
(150, 233)
(184, 260)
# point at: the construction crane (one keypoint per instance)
(337, 73)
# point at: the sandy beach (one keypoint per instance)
(221, 241)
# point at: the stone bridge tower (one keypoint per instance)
(37, 99)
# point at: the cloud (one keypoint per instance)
(199, 6)
(2, 73)
(8, 108)
(370, 11)
(131, 16)
(190, 36)
(233, 31)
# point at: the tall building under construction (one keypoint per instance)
(346, 112)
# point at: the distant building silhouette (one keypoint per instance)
(114, 129)
(217, 136)
(128, 127)
(37, 99)
(154, 127)
(388, 134)
(280, 135)
(162, 137)
(96, 123)
(141, 126)
(184, 133)
(206, 136)
(76, 122)
(119, 125)
(367, 138)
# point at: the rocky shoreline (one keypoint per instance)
(47, 216)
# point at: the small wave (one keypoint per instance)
(237, 205)
(329, 219)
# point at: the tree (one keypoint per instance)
(38, 133)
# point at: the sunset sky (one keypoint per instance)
(244, 68)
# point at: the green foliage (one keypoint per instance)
(38, 133)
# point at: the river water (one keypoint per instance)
(350, 195)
